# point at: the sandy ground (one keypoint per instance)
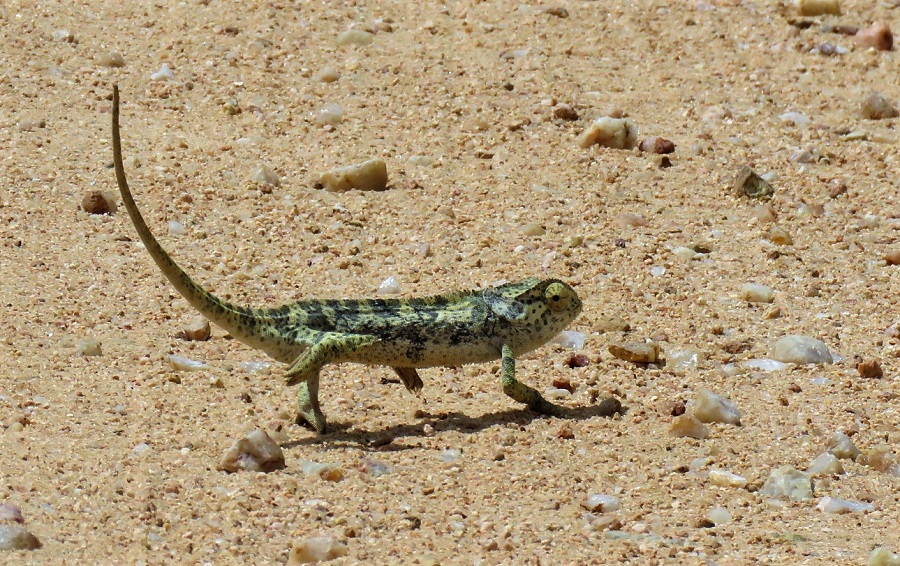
(113, 458)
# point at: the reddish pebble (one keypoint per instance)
(657, 145)
(563, 383)
(869, 368)
(577, 361)
(892, 258)
(878, 36)
(565, 432)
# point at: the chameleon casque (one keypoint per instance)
(404, 334)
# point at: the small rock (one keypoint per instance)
(723, 478)
(565, 432)
(65, 36)
(612, 323)
(636, 352)
(15, 537)
(841, 446)
(825, 464)
(113, 59)
(327, 74)
(565, 112)
(689, 426)
(609, 407)
(793, 349)
(576, 361)
(779, 236)
(893, 257)
(683, 360)
(765, 214)
(265, 178)
(89, 347)
(876, 107)
(755, 293)
(355, 37)
(532, 229)
(571, 339)
(98, 202)
(870, 369)
(881, 458)
(175, 227)
(256, 452)
(331, 114)
(328, 472)
(708, 407)
(369, 175)
(764, 364)
(390, 286)
(197, 330)
(317, 549)
(555, 393)
(163, 74)
(657, 145)
(882, 556)
(748, 183)
(557, 11)
(180, 363)
(788, 482)
(10, 513)
(819, 7)
(615, 133)
(601, 503)
(878, 36)
(719, 516)
(835, 505)
(795, 118)
(563, 383)
(629, 220)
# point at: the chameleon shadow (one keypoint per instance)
(342, 435)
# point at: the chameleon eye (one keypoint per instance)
(557, 297)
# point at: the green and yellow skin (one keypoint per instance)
(405, 334)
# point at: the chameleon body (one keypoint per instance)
(404, 334)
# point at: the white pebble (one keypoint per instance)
(317, 549)
(601, 503)
(327, 74)
(615, 133)
(570, 339)
(657, 271)
(256, 452)
(787, 482)
(685, 253)
(180, 363)
(755, 293)
(175, 227)
(764, 364)
(841, 446)
(682, 360)
(557, 393)
(163, 74)
(795, 349)
(835, 505)
(355, 37)
(450, 455)
(882, 556)
(370, 175)
(719, 516)
(255, 367)
(265, 176)
(794, 118)
(825, 464)
(328, 472)
(331, 114)
(725, 478)
(709, 407)
(89, 347)
(688, 426)
(141, 448)
(390, 286)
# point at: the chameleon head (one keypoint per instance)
(533, 311)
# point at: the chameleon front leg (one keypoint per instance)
(521, 392)
(331, 347)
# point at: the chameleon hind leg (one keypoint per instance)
(521, 392)
(410, 378)
(331, 347)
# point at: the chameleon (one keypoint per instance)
(404, 334)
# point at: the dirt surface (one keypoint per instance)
(113, 458)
